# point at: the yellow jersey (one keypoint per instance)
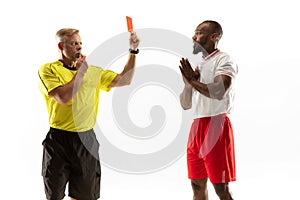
(80, 113)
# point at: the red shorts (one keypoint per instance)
(210, 152)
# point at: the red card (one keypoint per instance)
(129, 24)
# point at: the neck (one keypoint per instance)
(67, 61)
(209, 51)
(206, 56)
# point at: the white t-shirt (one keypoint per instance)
(215, 64)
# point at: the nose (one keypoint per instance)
(79, 46)
(194, 37)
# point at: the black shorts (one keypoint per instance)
(71, 158)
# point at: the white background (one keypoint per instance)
(262, 36)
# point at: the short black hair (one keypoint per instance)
(215, 27)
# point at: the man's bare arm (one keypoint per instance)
(64, 94)
(215, 90)
(126, 76)
(186, 95)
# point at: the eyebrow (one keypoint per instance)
(76, 41)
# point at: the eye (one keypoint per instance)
(76, 43)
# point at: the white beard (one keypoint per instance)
(197, 48)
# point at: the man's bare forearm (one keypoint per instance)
(65, 93)
(186, 97)
(126, 76)
(215, 90)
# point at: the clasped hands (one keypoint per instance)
(187, 71)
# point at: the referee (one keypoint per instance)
(71, 90)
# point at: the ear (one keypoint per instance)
(60, 46)
(214, 37)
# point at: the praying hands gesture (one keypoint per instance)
(187, 71)
(215, 90)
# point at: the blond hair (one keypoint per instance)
(65, 32)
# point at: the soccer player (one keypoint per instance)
(210, 151)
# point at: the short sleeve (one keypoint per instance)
(48, 80)
(226, 66)
(107, 76)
